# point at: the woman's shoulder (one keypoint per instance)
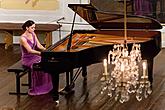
(34, 34)
(23, 37)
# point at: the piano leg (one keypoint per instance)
(67, 79)
(55, 82)
(150, 70)
(84, 72)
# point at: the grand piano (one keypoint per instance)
(82, 48)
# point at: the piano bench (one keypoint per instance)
(19, 71)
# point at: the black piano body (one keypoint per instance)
(92, 46)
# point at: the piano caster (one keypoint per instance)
(57, 102)
(56, 99)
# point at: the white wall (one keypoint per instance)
(39, 16)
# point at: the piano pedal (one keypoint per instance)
(64, 92)
(67, 90)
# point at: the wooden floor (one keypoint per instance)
(87, 95)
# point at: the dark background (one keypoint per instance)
(117, 6)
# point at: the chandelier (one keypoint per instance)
(125, 72)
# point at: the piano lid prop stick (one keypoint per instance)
(71, 33)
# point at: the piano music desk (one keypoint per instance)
(10, 28)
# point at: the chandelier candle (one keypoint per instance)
(109, 57)
(105, 67)
(145, 69)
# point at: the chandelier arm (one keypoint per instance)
(125, 24)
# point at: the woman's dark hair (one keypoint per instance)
(28, 23)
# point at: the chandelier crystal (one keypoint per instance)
(125, 72)
(125, 77)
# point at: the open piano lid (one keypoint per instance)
(110, 20)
